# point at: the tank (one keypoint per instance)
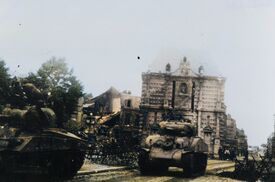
(29, 143)
(41, 151)
(175, 144)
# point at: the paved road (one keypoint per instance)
(174, 174)
(118, 174)
(134, 176)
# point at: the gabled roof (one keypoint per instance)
(111, 92)
(184, 69)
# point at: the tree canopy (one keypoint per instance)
(4, 84)
(60, 89)
(59, 86)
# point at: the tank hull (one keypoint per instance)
(51, 152)
(54, 164)
(174, 158)
(174, 145)
(158, 161)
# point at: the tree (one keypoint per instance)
(5, 81)
(60, 87)
(56, 73)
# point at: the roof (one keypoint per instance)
(184, 69)
(111, 92)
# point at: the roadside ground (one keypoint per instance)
(213, 167)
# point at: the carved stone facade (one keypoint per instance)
(196, 97)
(242, 141)
(231, 132)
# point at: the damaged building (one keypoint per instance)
(197, 97)
(122, 105)
(117, 120)
(184, 93)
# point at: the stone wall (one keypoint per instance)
(197, 97)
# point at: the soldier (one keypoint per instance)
(18, 97)
(220, 152)
(155, 127)
(35, 117)
(33, 95)
(232, 154)
(246, 155)
(226, 154)
(189, 129)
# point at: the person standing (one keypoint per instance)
(246, 155)
(220, 153)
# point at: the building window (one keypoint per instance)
(128, 103)
(183, 88)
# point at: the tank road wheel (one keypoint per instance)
(188, 165)
(201, 160)
(194, 164)
(147, 167)
(74, 164)
(159, 168)
(144, 163)
(65, 165)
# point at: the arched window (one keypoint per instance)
(183, 88)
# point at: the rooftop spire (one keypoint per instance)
(184, 67)
(168, 68)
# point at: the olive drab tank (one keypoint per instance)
(177, 145)
(29, 144)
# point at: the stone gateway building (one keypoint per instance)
(194, 96)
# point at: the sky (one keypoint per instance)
(101, 40)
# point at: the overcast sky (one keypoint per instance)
(102, 39)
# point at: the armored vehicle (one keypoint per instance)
(40, 151)
(29, 143)
(175, 144)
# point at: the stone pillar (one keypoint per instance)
(208, 139)
(217, 142)
(199, 124)
(199, 108)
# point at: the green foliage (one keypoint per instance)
(56, 73)
(38, 81)
(4, 84)
(57, 83)
(54, 79)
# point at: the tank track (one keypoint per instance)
(53, 164)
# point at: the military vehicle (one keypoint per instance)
(52, 152)
(30, 145)
(175, 144)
